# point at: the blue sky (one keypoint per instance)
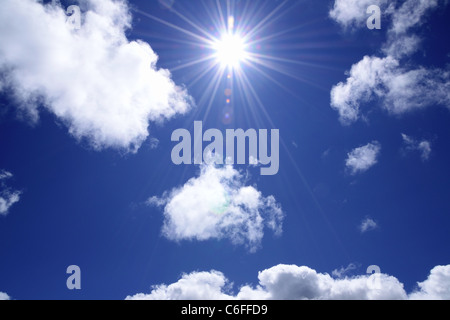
(85, 140)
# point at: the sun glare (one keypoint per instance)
(230, 50)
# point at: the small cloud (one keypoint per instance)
(363, 158)
(8, 197)
(156, 202)
(295, 144)
(5, 175)
(368, 224)
(423, 147)
(339, 273)
(4, 296)
(153, 143)
(216, 205)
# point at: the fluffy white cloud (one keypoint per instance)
(363, 158)
(7, 197)
(217, 204)
(436, 286)
(398, 89)
(4, 296)
(291, 282)
(103, 87)
(194, 286)
(352, 13)
(367, 225)
(424, 146)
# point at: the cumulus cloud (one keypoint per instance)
(367, 224)
(8, 197)
(103, 87)
(291, 282)
(363, 158)
(423, 147)
(4, 296)
(436, 286)
(217, 204)
(194, 286)
(385, 80)
(352, 13)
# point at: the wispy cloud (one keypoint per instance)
(398, 89)
(339, 273)
(367, 224)
(8, 197)
(103, 87)
(291, 282)
(423, 146)
(217, 204)
(363, 158)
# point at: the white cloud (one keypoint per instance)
(217, 205)
(436, 286)
(5, 175)
(410, 14)
(368, 224)
(291, 282)
(363, 158)
(4, 296)
(194, 286)
(424, 146)
(398, 89)
(7, 197)
(352, 13)
(102, 86)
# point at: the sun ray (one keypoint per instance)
(191, 23)
(263, 23)
(192, 63)
(175, 27)
(234, 43)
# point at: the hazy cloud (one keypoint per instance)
(339, 273)
(367, 224)
(8, 197)
(423, 146)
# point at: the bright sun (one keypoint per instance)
(230, 50)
